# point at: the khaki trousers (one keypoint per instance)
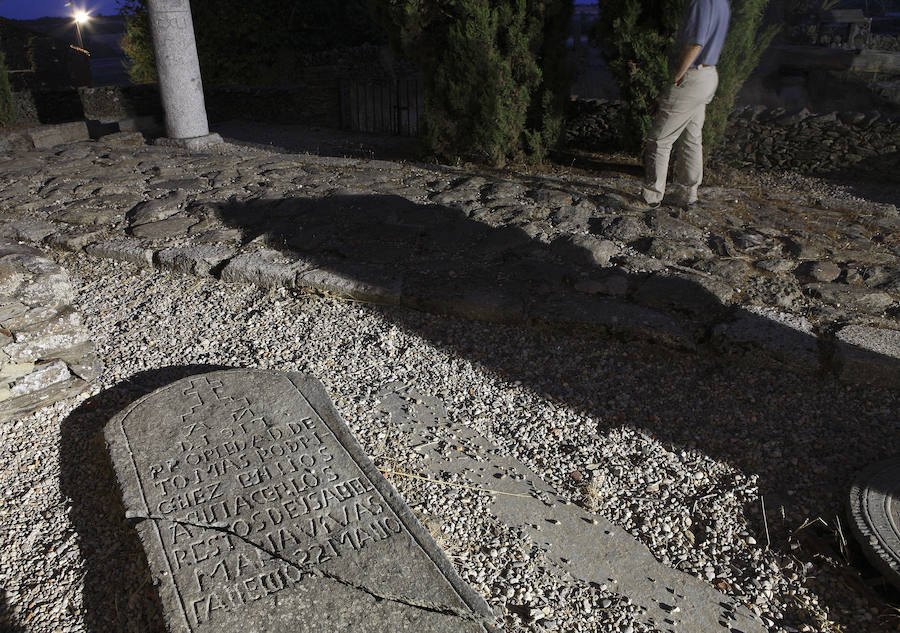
(682, 111)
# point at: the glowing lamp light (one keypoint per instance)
(80, 17)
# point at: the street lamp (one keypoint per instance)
(81, 17)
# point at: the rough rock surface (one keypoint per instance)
(45, 351)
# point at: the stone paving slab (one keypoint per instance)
(787, 338)
(868, 355)
(739, 270)
(45, 136)
(580, 544)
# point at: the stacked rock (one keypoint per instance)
(769, 138)
(592, 125)
(812, 143)
(45, 352)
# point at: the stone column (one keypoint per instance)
(178, 67)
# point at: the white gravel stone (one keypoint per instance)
(671, 440)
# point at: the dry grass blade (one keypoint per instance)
(842, 540)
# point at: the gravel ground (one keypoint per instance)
(683, 451)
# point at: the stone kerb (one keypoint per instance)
(259, 511)
(45, 352)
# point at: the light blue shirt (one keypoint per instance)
(706, 24)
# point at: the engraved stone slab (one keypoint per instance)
(875, 516)
(580, 546)
(259, 511)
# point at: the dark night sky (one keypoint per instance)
(29, 9)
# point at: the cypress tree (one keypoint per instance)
(746, 42)
(495, 77)
(6, 97)
(138, 43)
(547, 111)
(637, 39)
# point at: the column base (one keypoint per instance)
(194, 143)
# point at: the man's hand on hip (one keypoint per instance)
(688, 55)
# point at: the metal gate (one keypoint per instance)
(382, 106)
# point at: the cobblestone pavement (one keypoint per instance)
(806, 280)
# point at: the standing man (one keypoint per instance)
(683, 105)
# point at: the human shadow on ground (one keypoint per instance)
(119, 595)
(438, 258)
(774, 416)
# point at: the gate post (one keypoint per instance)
(178, 67)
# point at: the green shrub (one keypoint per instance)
(6, 97)
(548, 106)
(637, 39)
(495, 76)
(138, 43)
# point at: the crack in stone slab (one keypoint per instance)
(424, 606)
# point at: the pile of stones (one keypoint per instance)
(813, 143)
(885, 42)
(45, 352)
(768, 138)
(591, 124)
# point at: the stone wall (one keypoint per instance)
(312, 103)
(43, 72)
(312, 96)
(115, 103)
(45, 352)
(591, 124)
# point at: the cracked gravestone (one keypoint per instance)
(259, 511)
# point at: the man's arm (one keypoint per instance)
(688, 55)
